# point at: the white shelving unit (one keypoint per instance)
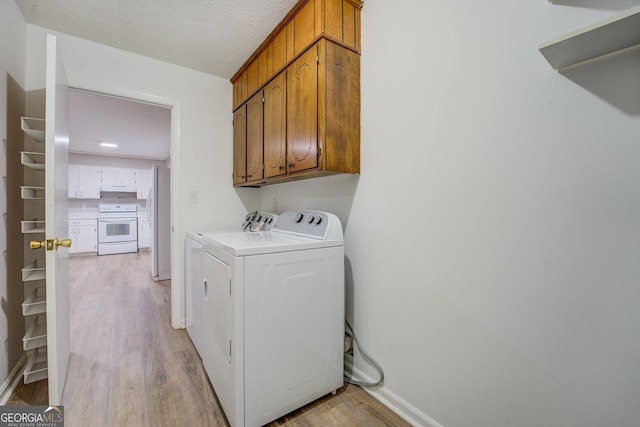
(36, 335)
(33, 127)
(36, 303)
(32, 160)
(37, 365)
(33, 226)
(31, 193)
(34, 307)
(610, 35)
(35, 270)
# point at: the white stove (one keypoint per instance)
(117, 228)
(274, 303)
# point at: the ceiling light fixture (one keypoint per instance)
(108, 145)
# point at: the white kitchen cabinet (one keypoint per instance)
(84, 182)
(143, 183)
(143, 233)
(194, 281)
(118, 176)
(84, 236)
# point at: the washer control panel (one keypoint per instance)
(306, 223)
(258, 221)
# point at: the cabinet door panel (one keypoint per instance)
(304, 25)
(275, 126)
(254, 137)
(263, 73)
(240, 145)
(279, 57)
(302, 110)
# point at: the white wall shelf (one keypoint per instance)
(36, 303)
(33, 226)
(601, 38)
(32, 160)
(37, 364)
(36, 335)
(32, 193)
(35, 270)
(33, 127)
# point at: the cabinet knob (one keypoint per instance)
(291, 165)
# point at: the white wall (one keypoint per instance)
(201, 161)
(493, 237)
(12, 65)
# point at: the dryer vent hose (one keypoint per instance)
(348, 377)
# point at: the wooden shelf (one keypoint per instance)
(601, 38)
(36, 335)
(35, 270)
(37, 365)
(33, 127)
(36, 303)
(33, 226)
(31, 193)
(32, 160)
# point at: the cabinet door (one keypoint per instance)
(87, 238)
(275, 126)
(254, 137)
(74, 240)
(88, 182)
(143, 183)
(302, 112)
(240, 145)
(73, 182)
(143, 233)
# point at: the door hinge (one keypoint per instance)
(229, 286)
(229, 348)
(263, 99)
(319, 151)
(317, 59)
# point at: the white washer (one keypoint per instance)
(275, 306)
(197, 330)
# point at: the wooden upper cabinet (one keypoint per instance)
(240, 145)
(254, 138)
(275, 126)
(299, 97)
(304, 27)
(308, 20)
(302, 112)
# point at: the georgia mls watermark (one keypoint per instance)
(31, 416)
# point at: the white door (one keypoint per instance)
(56, 216)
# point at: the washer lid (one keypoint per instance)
(242, 244)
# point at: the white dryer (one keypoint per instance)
(194, 275)
(275, 310)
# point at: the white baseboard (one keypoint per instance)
(407, 411)
(9, 385)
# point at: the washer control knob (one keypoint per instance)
(318, 220)
(259, 218)
(311, 218)
(299, 217)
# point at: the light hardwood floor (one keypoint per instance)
(129, 367)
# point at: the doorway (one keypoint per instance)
(120, 140)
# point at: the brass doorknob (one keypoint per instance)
(35, 244)
(65, 243)
(50, 244)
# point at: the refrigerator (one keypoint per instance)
(159, 212)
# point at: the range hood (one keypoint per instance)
(119, 188)
(118, 192)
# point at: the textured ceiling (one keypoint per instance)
(213, 36)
